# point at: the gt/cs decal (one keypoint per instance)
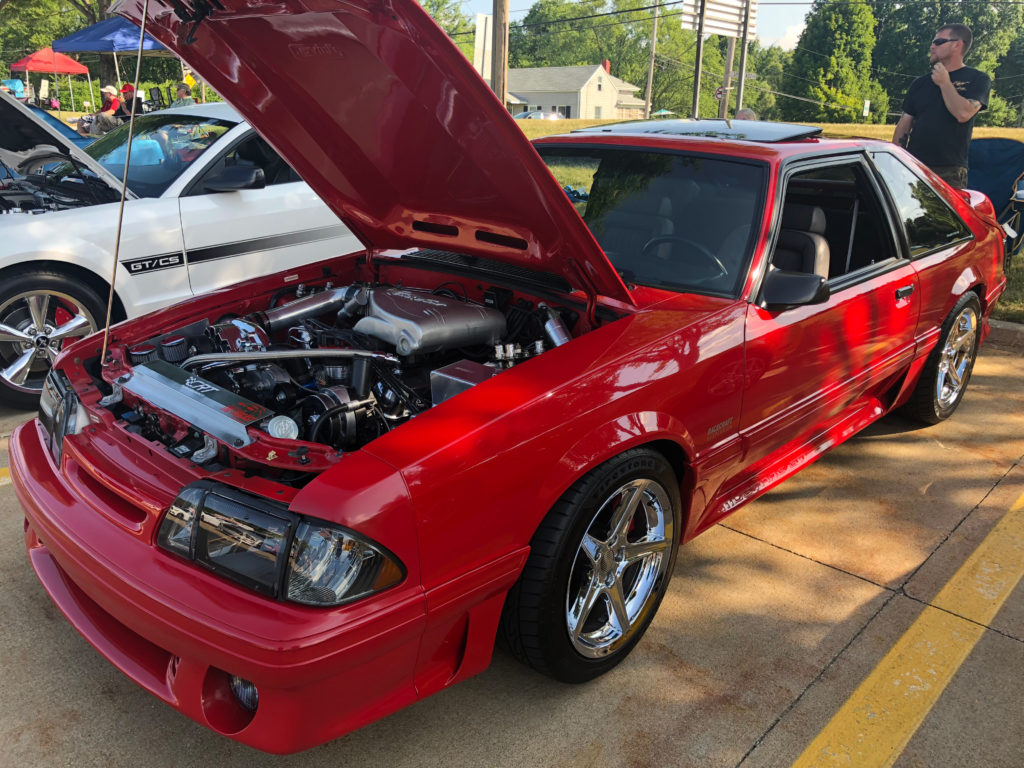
(153, 263)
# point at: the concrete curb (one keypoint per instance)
(1006, 334)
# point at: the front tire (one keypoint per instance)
(947, 372)
(599, 566)
(40, 311)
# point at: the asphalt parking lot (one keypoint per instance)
(866, 612)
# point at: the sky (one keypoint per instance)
(779, 24)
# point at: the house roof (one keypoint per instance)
(560, 79)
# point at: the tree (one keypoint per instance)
(1009, 79)
(766, 67)
(906, 27)
(449, 16)
(831, 66)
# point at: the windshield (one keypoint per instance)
(668, 220)
(163, 147)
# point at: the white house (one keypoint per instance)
(577, 92)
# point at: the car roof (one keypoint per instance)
(742, 130)
(219, 110)
(742, 138)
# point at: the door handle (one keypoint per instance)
(904, 292)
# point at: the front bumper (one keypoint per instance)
(320, 673)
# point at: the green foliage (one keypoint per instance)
(831, 68)
(905, 30)
(767, 65)
(450, 17)
(28, 25)
(998, 112)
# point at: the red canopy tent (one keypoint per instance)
(47, 60)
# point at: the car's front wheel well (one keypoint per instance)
(677, 459)
(72, 272)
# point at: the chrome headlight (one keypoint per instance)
(262, 546)
(60, 412)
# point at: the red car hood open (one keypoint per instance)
(385, 119)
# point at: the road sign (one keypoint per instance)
(719, 93)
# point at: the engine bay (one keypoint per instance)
(287, 389)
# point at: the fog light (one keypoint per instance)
(245, 692)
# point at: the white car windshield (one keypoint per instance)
(163, 147)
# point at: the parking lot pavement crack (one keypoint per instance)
(989, 627)
(807, 557)
(949, 534)
(814, 681)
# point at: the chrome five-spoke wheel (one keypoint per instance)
(599, 566)
(957, 357)
(36, 321)
(947, 371)
(620, 563)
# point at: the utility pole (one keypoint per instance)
(743, 56)
(698, 68)
(499, 60)
(650, 67)
(730, 53)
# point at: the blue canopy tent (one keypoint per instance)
(109, 36)
(112, 36)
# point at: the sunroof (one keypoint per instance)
(741, 130)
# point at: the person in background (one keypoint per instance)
(102, 121)
(745, 114)
(129, 102)
(184, 96)
(940, 107)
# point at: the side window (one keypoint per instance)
(833, 223)
(930, 223)
(251, 151)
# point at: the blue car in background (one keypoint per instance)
(65, 130)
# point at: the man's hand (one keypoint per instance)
(940, 76)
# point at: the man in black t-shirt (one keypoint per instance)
(939, 108)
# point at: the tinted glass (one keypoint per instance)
(681, 222)
(163, 147)
(930, 223)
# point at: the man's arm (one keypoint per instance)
(959, 107)
(899, 136)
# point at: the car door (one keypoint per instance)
(937, 241)
(831, 365)
(237, 235)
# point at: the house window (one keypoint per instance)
(563, 110)
(597, 113)
(599, 84)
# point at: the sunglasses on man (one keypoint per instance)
(943, 40)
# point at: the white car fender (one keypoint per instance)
(152, 271)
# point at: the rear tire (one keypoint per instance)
(947, 372)
(599, 566)
(40, 311)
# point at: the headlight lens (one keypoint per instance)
(60, 411)
(330, 565)
(261, 545)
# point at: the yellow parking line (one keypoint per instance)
(876, 723)
(5, 476)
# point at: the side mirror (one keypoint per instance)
(783, 289)
(236, 177)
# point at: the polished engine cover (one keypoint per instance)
(416, 321)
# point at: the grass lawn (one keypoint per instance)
(1011, 305)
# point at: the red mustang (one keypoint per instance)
(294, 506)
